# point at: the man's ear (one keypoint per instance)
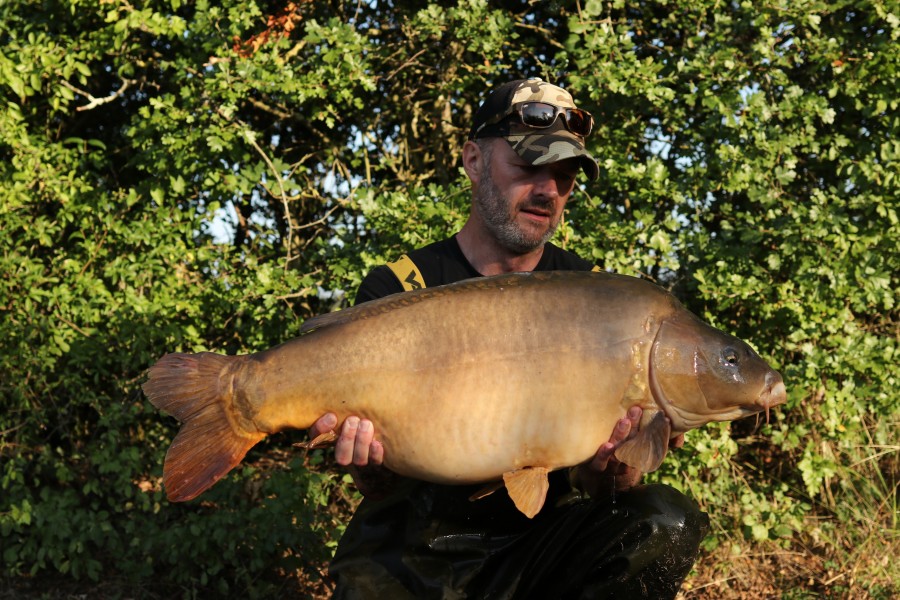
(472, 163)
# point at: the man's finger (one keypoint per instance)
(343, 449)
(634, 416)
(376, 453)
(601, 458)
(323, 424)
(365, 435)
(620, 431)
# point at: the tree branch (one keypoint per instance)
(95, 102)
(248, 135)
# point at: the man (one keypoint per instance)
(598, 535)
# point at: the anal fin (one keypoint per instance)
(528, 488)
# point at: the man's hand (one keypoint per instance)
(356, 443)
(605, 473)
(357, 449)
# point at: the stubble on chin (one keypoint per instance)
(494, 210)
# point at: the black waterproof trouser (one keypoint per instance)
(637, 544)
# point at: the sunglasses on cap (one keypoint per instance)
(541, 115)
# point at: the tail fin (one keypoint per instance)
(191, 388)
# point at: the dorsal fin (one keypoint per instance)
(386, 304)
(400, 300)
(327, 319)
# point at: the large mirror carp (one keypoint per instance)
(497, 378)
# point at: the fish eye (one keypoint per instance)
(730, 356)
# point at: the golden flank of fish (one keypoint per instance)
(499, 378)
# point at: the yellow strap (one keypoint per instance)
(410, 278)
(408, 273)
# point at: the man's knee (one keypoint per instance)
(672, 513)
(657, 547)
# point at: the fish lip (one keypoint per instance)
(774, 393)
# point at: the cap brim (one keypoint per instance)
(542, 147)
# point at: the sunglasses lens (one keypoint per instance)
(579, 121)
(538, 114)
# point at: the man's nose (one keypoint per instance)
(546, 184)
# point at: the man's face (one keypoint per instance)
(522, 204)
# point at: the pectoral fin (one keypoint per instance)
(648, 448)
(486, 491)
(321, 440)
(528, 488)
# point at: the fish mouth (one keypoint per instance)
(686, 420)
(772, 395)
(774, 392)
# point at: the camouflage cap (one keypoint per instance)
(537, 146)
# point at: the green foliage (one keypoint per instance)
(194, 175)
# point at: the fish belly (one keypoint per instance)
(478, 424)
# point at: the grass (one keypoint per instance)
(847, 548)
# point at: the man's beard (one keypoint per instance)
(494, 210)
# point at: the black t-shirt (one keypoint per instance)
(444, 262)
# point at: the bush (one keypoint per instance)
(190, 176)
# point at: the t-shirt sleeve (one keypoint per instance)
(380, 282)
